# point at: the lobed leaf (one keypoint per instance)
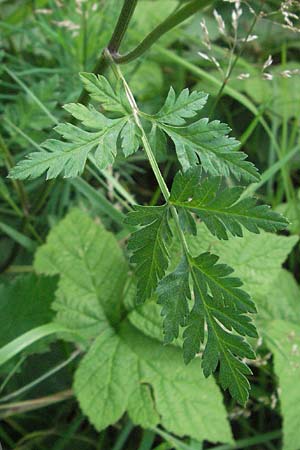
(129, 371)
(222, 211)
(208, 142)
(92, 273)
(186, 105)
(173, 294)
(222, 305)
(149, 245)
(283, 339)
(69, 155)
(124, 370)
(101, 91)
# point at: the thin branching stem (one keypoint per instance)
(170, 22)
(147, 147)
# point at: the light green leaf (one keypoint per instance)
(208, 142)
(257, 259)
(124, 370)
(285, 301)
(285, 344)
(147, 318)
(149, 245)
(100, 90)
(104, 380)
(69, 157)
(130, 138)
(221, 304)
(132, 363)
(91, 284)
(222, 210)
(87, 115)
(186, 105)
(173, 294)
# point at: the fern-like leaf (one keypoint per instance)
(186, 105)
(222, 305)
(222, 211)
(173, 294)
(218, 319)
(101, 91)
(149, 245)
(207, 142)
(68, 157)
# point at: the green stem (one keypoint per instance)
(122, 25)
(147, 147)
(170, 22)
(114, 43)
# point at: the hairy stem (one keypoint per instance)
(114, 43)
(170, 22)
(147, 147)
(122, 25)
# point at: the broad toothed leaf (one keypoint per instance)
(283, 338)
(149, 246)
(186, 105)
(124, 369)
(208, 142)
(91, 285)
(222, 211)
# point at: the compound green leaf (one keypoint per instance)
(101, 91)
(222, 305)
(222, 211)
(104, 135)
(208, 142)
(175, 111)
(149, 245)
(69, 157)
(124, 369)
(173, 294)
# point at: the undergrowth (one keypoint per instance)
(148, 280)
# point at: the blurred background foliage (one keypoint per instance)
(246, 56)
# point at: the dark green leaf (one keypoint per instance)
(222, 210)
(149, 246)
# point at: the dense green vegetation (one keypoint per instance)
(150, 220)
